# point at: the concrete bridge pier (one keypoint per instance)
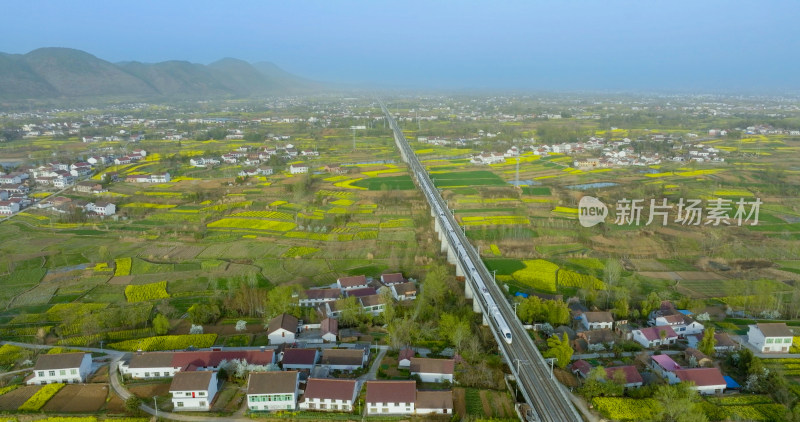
(468, 293)
(451, 256)
(459, 270)
(485, 320)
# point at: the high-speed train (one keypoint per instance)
(473, 274)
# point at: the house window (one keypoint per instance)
(180, 404)
(385, 410)
(312, 406)
(787, 340)
(156, 374)
(323, 406)
(51, 373)
(41, 373)
(146, 374)
(73, 371)
(769, 341)
(62, 372)
(202, 403)
(335, 407)
(202, 393)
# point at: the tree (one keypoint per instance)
(279, 300)
(203, 313)
(611, 274)
(556, 312)
(708, 342)
(402, 332)
(132, 405)
(678, 403)
(559, 349)
(389, 309)
(160, 324)
(621, 308)
(454, 329)
(597, 385)
(351, 310)
(196, 329)
(652, 303)
(530, 309)
(241, 325)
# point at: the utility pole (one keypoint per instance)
(155, 405)
(516, 381)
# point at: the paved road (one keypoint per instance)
(546, 396)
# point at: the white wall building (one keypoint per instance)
(194, 390)
(770, 338)
(271, 391)
(67, 368)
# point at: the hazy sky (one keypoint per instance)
(696, 45)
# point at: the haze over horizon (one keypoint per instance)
(571, 45)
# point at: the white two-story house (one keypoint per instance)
(271, 391)
(391, 397)
(66, 368)
(193, 390)
(337, 395)
(771, 337)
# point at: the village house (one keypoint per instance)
(8, 207)
(271, 391)
(699, 358)
(329, 395)
(581, 368)
(65, 368)
(596, 320)
(631, 376)
(354, 282)
(391, 397)
(665, 366)
(770, 337)
(651, 336)
(344, 359)
(298, 168)
(300, 359)
(282, 329)
(160, 178)
(433, 370)
(434, 402)
(103, 208)
(705, 380)
(330, 329)
(392, 278)
(88, 186)
(683, 325)
(314, 297)
(193, 390)
(372, 304)
(335, 169)
(404, 291)
(147, 365)
(594, 340)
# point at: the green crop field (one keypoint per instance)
(466, 179)
(387, 182)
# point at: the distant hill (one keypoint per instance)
(51, 73)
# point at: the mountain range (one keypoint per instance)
(65, 73)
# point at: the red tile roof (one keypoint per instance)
(702, 377)
(358, 280)
(329, 325)
(300, 356)
(334, 389)
(666, 362)
(364, 291)
(582, 366)
(432, 366)
(652, 333)
(391, 391)
(209, 358)
(393, 278)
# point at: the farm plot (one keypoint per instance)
(252, 224)
(447, 179)
(12, 400)
(386, 183)
(83, 398)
